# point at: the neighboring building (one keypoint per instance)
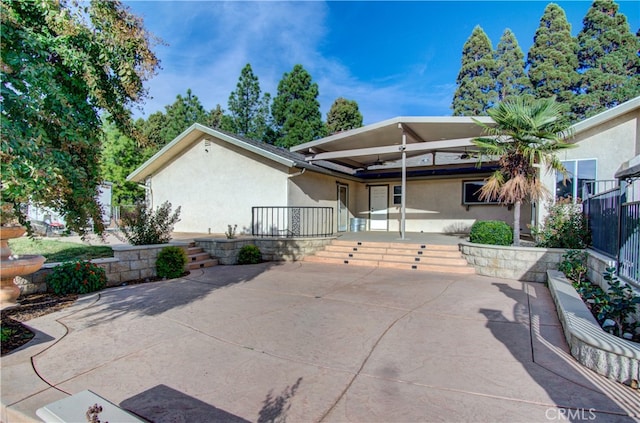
(218, 177)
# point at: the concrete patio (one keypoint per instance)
(305, 342)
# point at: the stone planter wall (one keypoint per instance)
(528, 264)
(272, 249)
(613, 357)
(127, 264)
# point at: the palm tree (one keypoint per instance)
(526, 134)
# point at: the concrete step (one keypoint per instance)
(202, 264)
(194, 250)
(444, 268)
(394, 255)
(411, 251)
(200, 256)
(401, 245)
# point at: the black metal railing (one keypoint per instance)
(602, 211)
(292, 222)
(613, 217)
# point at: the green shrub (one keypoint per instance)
(574, 265)
(143, 226)
(76, 277)
(564, 227)
(249, 254)
(492, 232)
(170, 262)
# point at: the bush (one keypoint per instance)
(574, 265)
(170, 262)
(143, 226)
(249, 254)
(492, 232)
(76, 277)
(564, 227)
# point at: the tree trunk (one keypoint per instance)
(516, 223)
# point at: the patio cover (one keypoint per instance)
(397, 139)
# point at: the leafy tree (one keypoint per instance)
(527, 132)
(121, 155)
(511, 78)
(61, 66)
(552, 58)
(248, 112)
(296, 110)
(180, 115)
(476, 91)
(343, 115)
(608, 60)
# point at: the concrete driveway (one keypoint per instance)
(307, 342)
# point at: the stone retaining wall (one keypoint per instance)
(128, 263)
(613, 357)
(272, 249)
(528, 264)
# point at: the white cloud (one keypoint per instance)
(210, 42)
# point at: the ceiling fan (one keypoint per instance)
(378, 162)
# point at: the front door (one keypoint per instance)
(343, 207)
(378, 207)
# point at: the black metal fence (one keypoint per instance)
(292, 222)
(603, 215)
(613, 217)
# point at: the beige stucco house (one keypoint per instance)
(407, 174)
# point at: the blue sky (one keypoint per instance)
(393, 58)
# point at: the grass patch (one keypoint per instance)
(58, 251)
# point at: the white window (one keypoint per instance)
(578, 172)
(397, 194)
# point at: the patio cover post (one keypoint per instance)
(403, 193)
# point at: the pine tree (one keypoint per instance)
(608, 60)
(552, 58)
(511, 78)
(184, 112)
(121, 155)
(343, 115)
(476, 92)
(296, 110)
(247, 111)
(214, 120)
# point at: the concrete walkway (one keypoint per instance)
(306, 342)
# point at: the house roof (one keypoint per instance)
(434, 145)
(196, 131)
(380, 142)
(607, 115)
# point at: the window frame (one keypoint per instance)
(482, 182)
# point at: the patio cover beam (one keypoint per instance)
(388, 149)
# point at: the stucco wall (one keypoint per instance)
(435, 205)
(610, 143)
(216, 184)
(317, 190)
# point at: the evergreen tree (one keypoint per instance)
(476, 92)
(511, 78)
(215, 117)
(248, 112)
(343, 115)
(296, 110)
(184, 112)
(552, 58)
(151, 130)
(608, 60)
(121, 155)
